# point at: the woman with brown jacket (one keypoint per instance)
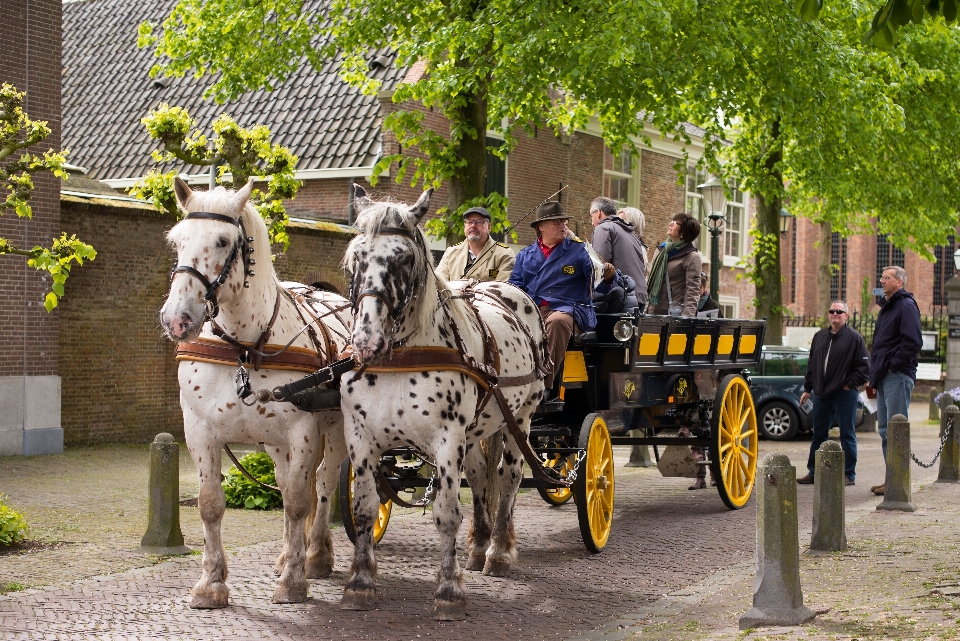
(678, 262)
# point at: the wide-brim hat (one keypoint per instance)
(480, 211)
(549, 211)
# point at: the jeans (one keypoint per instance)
(843, 405)
(893, 397)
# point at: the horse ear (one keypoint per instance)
(360, 198)
(243, 194)
(419, 208)
(182, 190)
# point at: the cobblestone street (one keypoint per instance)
(665, 541)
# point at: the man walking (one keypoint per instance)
(479, 256)
(838, 364)
(893, 359)
(616, 243)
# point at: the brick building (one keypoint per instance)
(858, 262)
(30, 423)
(118, 372)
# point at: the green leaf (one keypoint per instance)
(902, 12)
(884, 38)
(50, 301)
(810, 9)
(950, 11)
(917, 9)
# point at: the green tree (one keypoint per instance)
(236, 153)
(17, 134)
(486, 64)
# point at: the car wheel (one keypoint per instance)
(778, 421)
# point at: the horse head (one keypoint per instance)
(390, 267)
(213, 261)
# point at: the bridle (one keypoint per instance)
(395, 312)
(241, 247)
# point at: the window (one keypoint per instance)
(729, 306)
(887, 255)
(693, 207)
(617, 176)
(838, 267)
(943, 270)
(496, 170)
(781, 364)
(793, 263)
(733, 228)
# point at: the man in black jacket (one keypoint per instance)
(893, 359)
(838, 364)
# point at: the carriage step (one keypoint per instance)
(549, 430)
(549, 407)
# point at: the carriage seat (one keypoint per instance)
(584, 338)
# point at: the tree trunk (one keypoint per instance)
(824, 272)
(470, 180)
(768, 281)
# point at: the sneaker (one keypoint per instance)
(880, 489)
(806, 480)
(849, 481)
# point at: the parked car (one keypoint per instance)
(776, 390)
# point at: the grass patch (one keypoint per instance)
(12, 586)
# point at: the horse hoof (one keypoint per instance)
(449, 610)
(358, 599)
(296, 594)
(212, 597)
(318, 570)
(496, 568)
(476, 561)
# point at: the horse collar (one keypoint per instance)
(241, 246)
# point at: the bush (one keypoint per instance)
(242, 492)
(13, 527)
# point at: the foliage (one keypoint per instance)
(17, 133)
(13, 527)
(866, 295)
(238, 154)
(890, 17)
(242, 492)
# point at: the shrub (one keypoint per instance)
(13, 527)
(242, 492)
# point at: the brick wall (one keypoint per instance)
(118, 372)
(30, 60)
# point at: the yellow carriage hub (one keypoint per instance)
(574, 367)
(735, 441)
(346, 508)
(595, 484)
(564, 464)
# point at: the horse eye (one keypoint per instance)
(222, 241)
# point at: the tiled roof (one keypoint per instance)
(107, 89)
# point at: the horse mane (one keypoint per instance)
(425, 290)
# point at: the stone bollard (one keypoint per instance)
(639, 454)
(829, 526)
(896, 495)
(777, 597)
(950, 456)
(934, 408)
(163, 508)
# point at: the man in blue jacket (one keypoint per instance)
(557, 273)
(893, 359)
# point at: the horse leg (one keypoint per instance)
(450, 602)
(478, 535)
(211, 591)
(361, 590)
(320, 542)
(293, 467)
(503, 547)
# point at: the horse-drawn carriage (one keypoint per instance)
(653, 374)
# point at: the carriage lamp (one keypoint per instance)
(785, 219)
(714, 201)
(623, 330)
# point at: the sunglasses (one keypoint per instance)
(837, 312)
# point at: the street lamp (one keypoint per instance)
(785, 219)
(714, 201)
(956, 260)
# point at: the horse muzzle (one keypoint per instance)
(180, 326)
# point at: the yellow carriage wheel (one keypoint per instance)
(733, 446)
(558, 495)
(346, 507)
(594, 484)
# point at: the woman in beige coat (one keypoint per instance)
(677, 261)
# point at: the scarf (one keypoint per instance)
(658, 270)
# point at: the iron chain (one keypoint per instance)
(943, 440)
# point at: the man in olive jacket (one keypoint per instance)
(838, 364)
(479, 256)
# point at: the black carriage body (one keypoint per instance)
(666, 362)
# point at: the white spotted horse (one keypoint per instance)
(222, 311)
(430, 361)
